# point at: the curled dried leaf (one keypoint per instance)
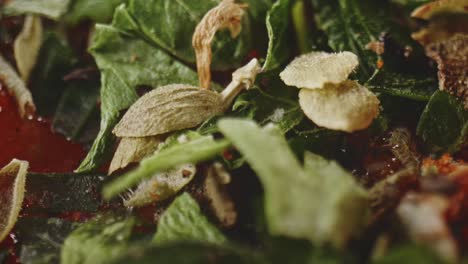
(403, 149)
(423, 217)
(133, 150)
(12, 182)
(161, 186)
(27, 46)
(169, 108)
(347, 106)
(242, 78)
(315, 69)
(227, 14)
(215, 189)
(451, 56)
(16, 86)
(434, 8)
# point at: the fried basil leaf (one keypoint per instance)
(444, 123)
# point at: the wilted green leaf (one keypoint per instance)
(97, 241)
(183, 221)
(324, 202)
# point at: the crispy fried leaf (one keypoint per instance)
(183, 221)
(316, 194)
(98, 240)
(197, 150)
(12, 181)
(444, 123)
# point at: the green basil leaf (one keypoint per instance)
(126, 62)
(278, 23)
(77, 111)
(52, 9)
(183, 221)
(185, 253)
(96, 11)
(419, 88)
(55, 60)
(98, 240)
(444, 123)
(46, 193)
(170, 25)
(201, 149)
(352, 24)
(325, 204)
(42, 239)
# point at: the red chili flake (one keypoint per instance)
(252, 54)
(186, 173)
(380, 64)
(445, 165)
(227, 155)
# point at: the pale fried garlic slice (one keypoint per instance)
(347, 106)
(314, 70)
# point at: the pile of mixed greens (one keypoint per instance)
(209, 157)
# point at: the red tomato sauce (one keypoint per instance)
(33, 140)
